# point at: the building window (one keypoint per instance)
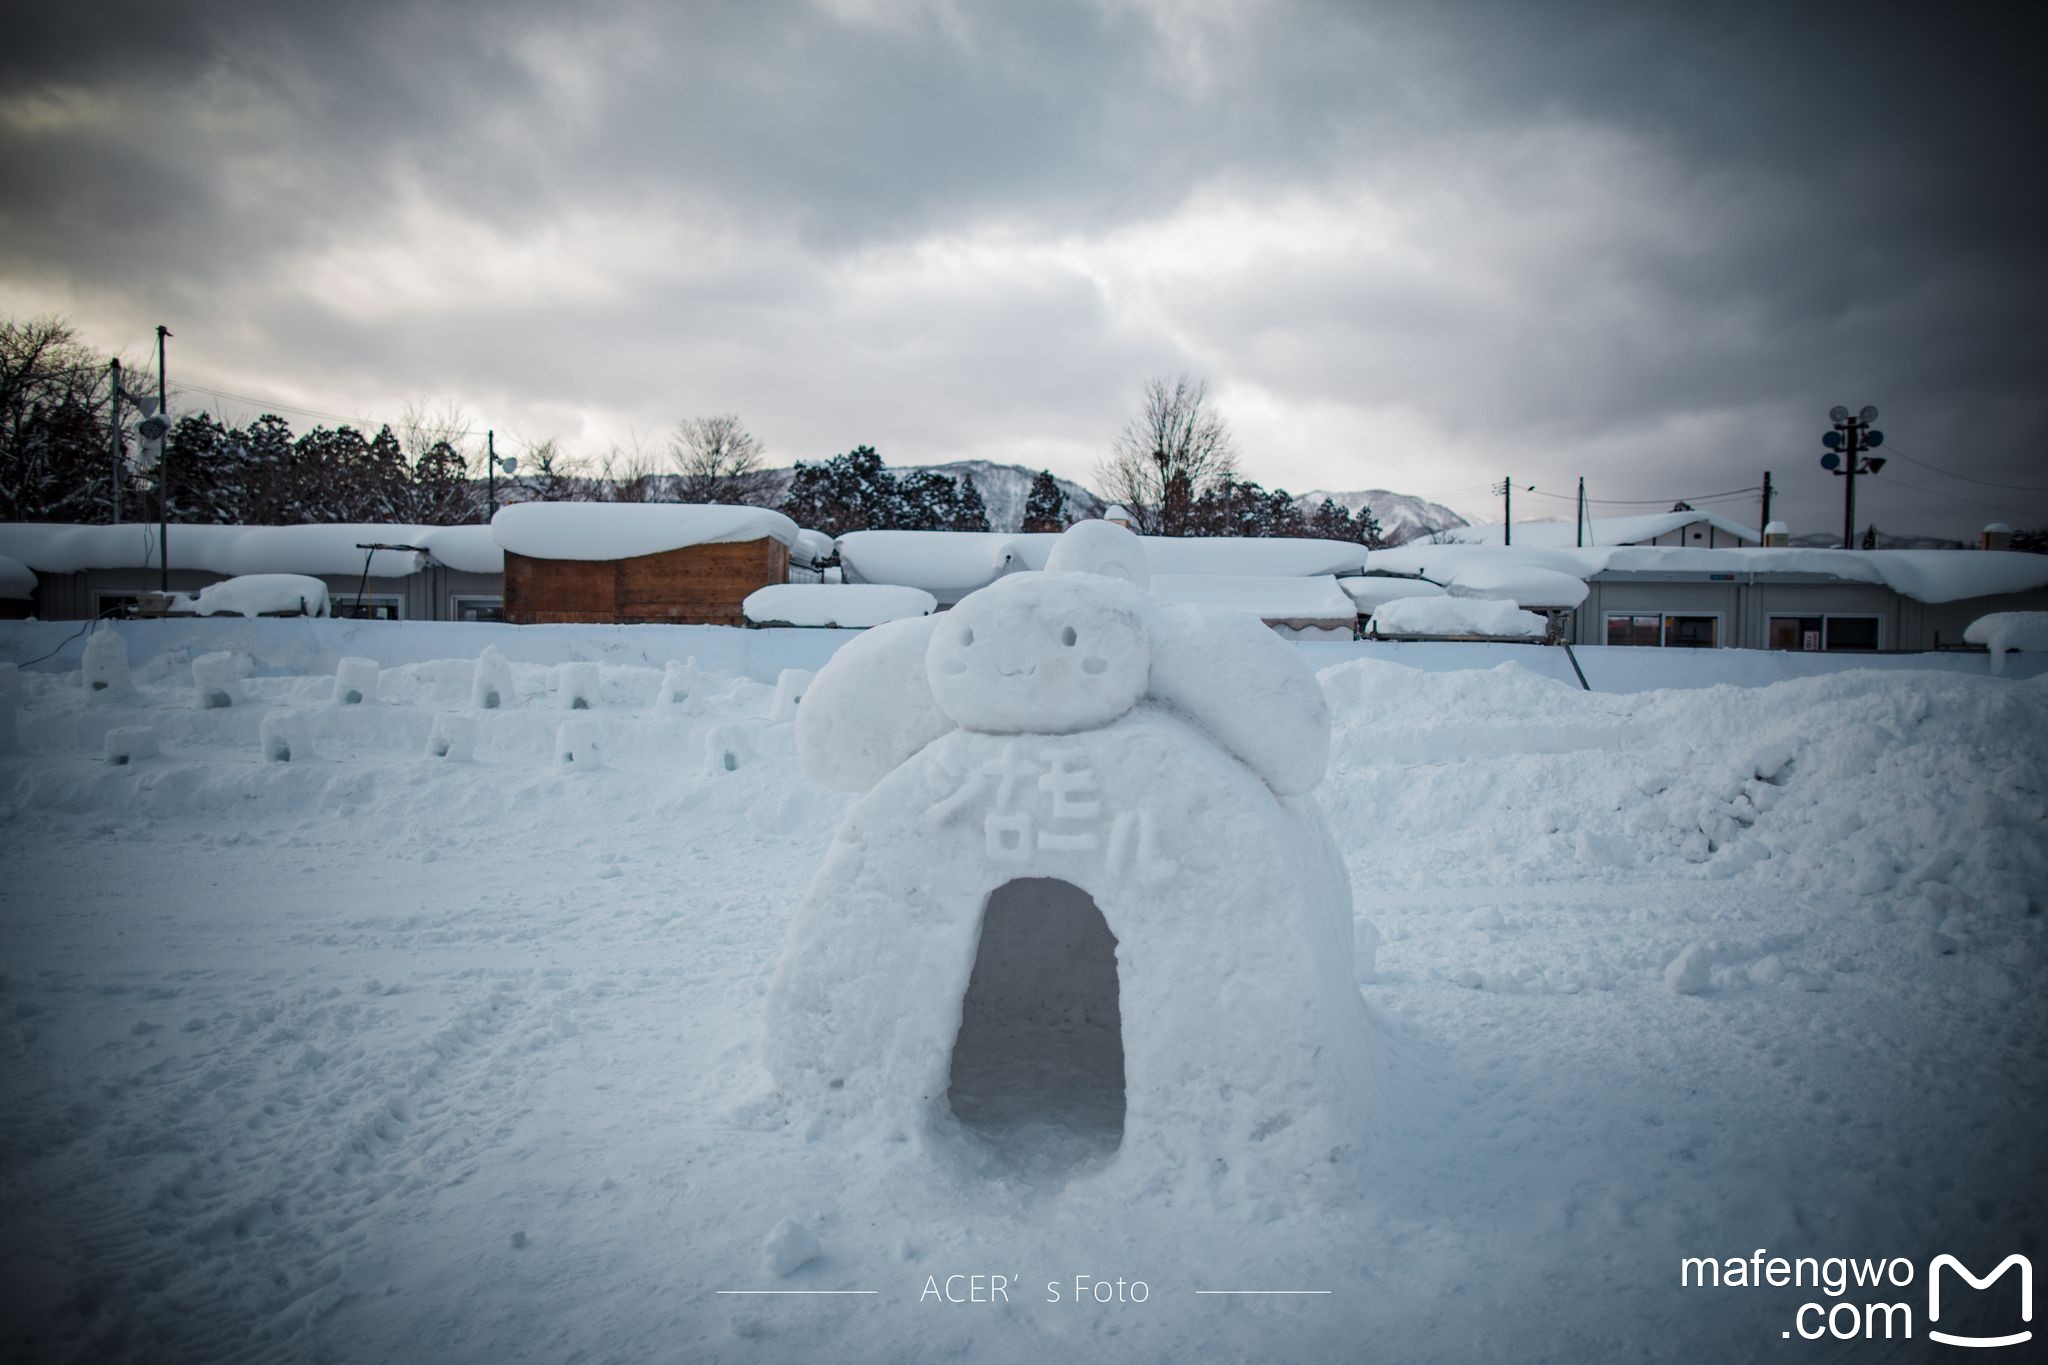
(479, 609)
(1673, 631)
(1814, 634)
(119, 603)
(372, 607)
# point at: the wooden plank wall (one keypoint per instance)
(696, 585)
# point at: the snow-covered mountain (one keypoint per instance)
(1402, 518)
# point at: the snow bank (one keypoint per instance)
(241, 550)
(2009, 630)
(17, 580)
(1458, 616)
(853, 605)
(1274, 599)
(262, 594)
(611, 530)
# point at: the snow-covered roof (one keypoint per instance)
(59, 548)
(1491, 618)
(853, 605)
(1923, 575)
(810, 547)
(1526, 585)
(258, 594)
(950, 564)
(16, 578)
(1371, 593)
(1267, 597)
(625, 530)
(1599, 531)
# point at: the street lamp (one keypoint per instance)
(1852, 435)
(492, 464)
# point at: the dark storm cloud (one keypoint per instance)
(1408, 244)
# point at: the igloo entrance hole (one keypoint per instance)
(1038, 1066)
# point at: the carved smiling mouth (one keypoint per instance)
(1016, 672)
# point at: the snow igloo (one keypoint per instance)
(1085, 921)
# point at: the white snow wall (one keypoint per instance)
(1248, 1065)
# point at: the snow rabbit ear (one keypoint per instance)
(870, 709)
(1248, 688)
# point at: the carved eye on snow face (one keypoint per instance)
(1067, 636)
(967, 635)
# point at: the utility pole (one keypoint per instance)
(1852, 436)
(1507, 511)
(1582, 511)
(1765, 524)
(163, 469)
(114, 434)
(491, 478)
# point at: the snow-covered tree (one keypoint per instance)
(1045, 506)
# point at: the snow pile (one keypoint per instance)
(262, 594)
(997, 957)
(612, 530)
(104, 668)
(355, 682)
(851, 605)
(1487, 617)
(215, 679)
(2026, 631)
(17, 580)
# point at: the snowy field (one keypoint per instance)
(372, 1055)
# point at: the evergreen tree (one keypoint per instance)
(1045, 507)
(440, 488)
(267, 454)
(850, 492)
(205, 473)
(973, 512)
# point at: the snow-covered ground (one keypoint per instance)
(372, 1055)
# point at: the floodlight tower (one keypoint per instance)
(1853, 434)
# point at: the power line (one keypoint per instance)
(1897, 454)
(2006, 508)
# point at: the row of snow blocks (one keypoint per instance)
(105, 668)
(216, 681)
(576, 686)
(576, 746)
(355, 682)
(493, 685)
(126, 744)
(453, 738)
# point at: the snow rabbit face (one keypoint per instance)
(1042, 654)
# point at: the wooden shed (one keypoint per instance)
(639, 563)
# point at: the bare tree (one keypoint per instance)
(1174, 451)
(546, 475)
(720, 461)
(627, 473)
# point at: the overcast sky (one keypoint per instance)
(1409, 246)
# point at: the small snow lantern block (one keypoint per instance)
(790, 687)
(492, 688)
(105, 667)
(355, 682)
(576, 687)
(283, 739)
(216, 680)
(1086, 913)
(681, 682)
(453, 737)
(576, 747)
(126, 744)
(726, 749)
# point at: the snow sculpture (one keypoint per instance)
(492, 687)
(576, 746)
(453, 737)
(1086, 918)
(214, 680)
(576, 686)
(355, 682)
(105, 667)
(127, 743)
(790, 686)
